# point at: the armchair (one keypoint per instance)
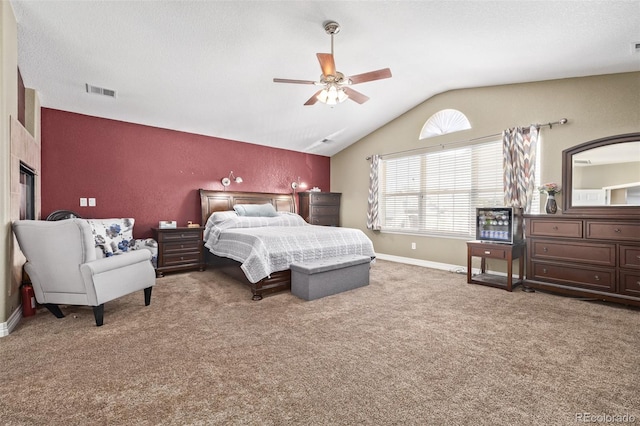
(64, 268)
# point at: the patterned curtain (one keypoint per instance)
(373, 219)
(519, 160)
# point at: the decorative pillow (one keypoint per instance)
(114, 236)
(260, 210)
(147, 244)
(218, 217)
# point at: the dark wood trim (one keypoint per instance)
(567, 180)
(214, 201)
(580, 293)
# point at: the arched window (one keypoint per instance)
(444, 121)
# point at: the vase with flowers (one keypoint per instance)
(551, 189)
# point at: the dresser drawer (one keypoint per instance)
(490, 252)
(181, 247)
(324, 198)
(575, 276)
(630, 257)
(324, 220)
(630, 283)
(181, 259)
(595, 254)
(178, 235)
(324, 210)
(555, 228)
(617, 231)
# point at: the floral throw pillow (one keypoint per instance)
(114, 236)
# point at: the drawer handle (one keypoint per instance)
(555, 228)
(181, 257)
(181, 245)
(544, 249)
(487, 252)
(617, 230)
(597, 278)
(638, 282)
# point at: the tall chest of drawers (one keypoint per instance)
(320, 208)
(585, 257)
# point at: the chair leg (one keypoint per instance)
(147, 296)
(54, 309)
(98, 313)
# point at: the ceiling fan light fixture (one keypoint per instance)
(335, 84)
(332, 95)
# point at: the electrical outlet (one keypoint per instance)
(83, 202)
(413, 246)
(92, 202)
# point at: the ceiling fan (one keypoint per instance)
(335, 85)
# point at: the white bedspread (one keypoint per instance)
(269, 244)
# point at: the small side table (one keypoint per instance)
(179, 249)
(507, 252)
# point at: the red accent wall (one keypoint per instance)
(154, 174)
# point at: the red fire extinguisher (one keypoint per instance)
(28, 300)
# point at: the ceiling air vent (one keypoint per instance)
(100, 91)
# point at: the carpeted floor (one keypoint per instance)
(415, 347)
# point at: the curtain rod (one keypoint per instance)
(442, 146)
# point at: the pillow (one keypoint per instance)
(261, 210)
(114, 236)
(218, 217)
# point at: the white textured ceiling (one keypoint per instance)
(207, 67)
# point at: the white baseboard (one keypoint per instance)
(420, 262)
(13, 321)
(458, 269)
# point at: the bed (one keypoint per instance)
(258, 250)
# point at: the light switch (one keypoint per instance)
(83, 202)
(92, 202)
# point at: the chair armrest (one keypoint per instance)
(111, 277)
(99, 266)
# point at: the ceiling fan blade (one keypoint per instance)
(327, 63)
(312, 100)
(286, 80)
(370, 76)
(355, 96)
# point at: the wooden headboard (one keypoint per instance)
(215, 201)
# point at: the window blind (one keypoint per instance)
(437, 192)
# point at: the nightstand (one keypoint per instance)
(507, 252)
(179, 249)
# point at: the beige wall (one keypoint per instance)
(595, 106)
(17, 144)
(8, 109)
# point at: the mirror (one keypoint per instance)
(602, 177)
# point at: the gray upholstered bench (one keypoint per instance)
(320, 278)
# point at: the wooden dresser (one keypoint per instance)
(584, 256)
(179, 249)
(320, 208)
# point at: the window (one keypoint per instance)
(437, 192)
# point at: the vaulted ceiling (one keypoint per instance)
(207, 67)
